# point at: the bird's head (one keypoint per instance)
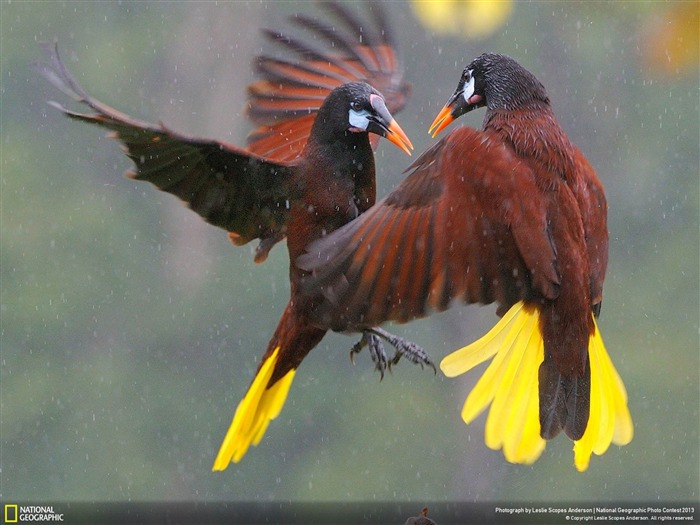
(491, 80)
(356, 107)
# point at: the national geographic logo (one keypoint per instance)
(10, 513)
(30, 513)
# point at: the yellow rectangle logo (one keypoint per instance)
(10, 513)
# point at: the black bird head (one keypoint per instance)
(491, 80)
(356, 107)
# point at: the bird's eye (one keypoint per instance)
(355, 105)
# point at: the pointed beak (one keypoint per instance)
(382, 123)
(395, 135)
(443, 119)
(457, 106)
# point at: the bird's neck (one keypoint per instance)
(347, 162)
(336, 184)
(535, 134)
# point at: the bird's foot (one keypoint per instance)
(372, 338)
(376, 351)
(413, 352)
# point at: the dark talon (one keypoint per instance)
(356, 349)
(411, 350)
(376, 351)
(372, 338)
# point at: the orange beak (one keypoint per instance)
(443, 119)
(397, 136)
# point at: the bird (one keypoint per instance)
(514, 214)
(284, 102)
(421, 519)
(309, 169)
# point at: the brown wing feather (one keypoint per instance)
(594, 213)
(229, 187)
(284, 103)
(456, 228)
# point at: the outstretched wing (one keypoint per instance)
(456, 228)
(229, 187)
(284, 103)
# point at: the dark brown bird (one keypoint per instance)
(512, 214)
(284, 103)
(421, 519)
(316, 173)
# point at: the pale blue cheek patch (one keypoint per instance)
(359, 119)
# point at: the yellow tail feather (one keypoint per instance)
(610, 420)
(255, 411)
(510, 386)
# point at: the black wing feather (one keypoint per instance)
(229, 187)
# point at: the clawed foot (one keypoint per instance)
(372, 339)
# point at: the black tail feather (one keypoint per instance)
(564, 401)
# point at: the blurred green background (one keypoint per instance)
(131, 329)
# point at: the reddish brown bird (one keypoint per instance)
(314, 172)
(512, 214)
